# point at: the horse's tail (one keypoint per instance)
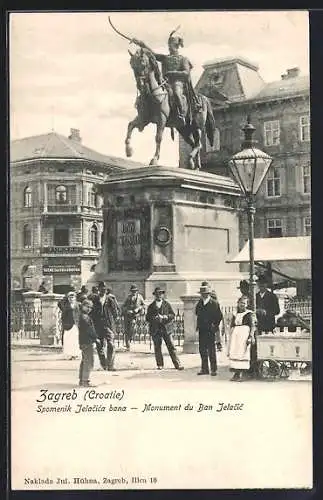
(210, 122)
(172, 133)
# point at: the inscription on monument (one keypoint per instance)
(128, 240)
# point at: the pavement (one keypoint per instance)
(224, 435)
(33, 368)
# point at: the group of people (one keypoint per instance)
(89, 321)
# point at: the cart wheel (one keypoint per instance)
(284, 371)
(268, 368)
(263, 369)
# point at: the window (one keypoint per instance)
(94, 236)
(92, 197)
(307, 226)
(27, 236)
(271, 133)
(27, 197)
(304, 123)
(273, 182)
(61, 194)
(61, 237)
(306, 179)
(274, 228)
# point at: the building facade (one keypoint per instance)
(56, 220)
(280, 113)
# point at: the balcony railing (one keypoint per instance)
(63, 208)
(62, 249)
(72, 209)
(58, 250)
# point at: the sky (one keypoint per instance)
(70, 70)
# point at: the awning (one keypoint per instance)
(290, 257)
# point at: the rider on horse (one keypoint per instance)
(176, 69)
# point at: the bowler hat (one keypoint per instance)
(133, 288)
(158, 290)
(205, 289)
(101, 283)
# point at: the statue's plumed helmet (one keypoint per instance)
(178, 39)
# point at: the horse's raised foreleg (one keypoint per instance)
(159, 136)
(131, 125)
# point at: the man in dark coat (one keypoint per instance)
(267, 307)
(209, 317)
(132, 308)
(160, 317)
(105, 314)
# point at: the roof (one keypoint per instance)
(54, 145)
(290, 257)
(284, 88)
(226, 60)
(277, 249)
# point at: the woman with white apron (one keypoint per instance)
(240, 340)
(70, 316)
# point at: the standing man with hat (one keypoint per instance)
(209, 317)
(267, 307)
(105, 314)
(160, 317)
(132, 308)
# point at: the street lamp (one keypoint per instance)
(248, 168)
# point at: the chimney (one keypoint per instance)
(75, 135)
(293, 72)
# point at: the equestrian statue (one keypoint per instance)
(167, 98)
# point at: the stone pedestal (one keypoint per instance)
(50, 328)
(191, 340)
(169, 227)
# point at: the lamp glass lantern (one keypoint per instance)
(250, 166)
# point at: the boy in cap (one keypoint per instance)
(160, 317)
(132, 308)
(87, 337)
(209, 317)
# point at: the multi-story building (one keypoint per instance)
(56, 214)
(280, 112)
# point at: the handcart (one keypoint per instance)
(278, 353)
(289, 258)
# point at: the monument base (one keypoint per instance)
(172, 228)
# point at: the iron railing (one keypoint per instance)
(26, 321)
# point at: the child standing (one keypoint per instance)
(87, 337)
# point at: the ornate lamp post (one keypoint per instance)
(248, 168)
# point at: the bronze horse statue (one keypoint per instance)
(154, 105)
